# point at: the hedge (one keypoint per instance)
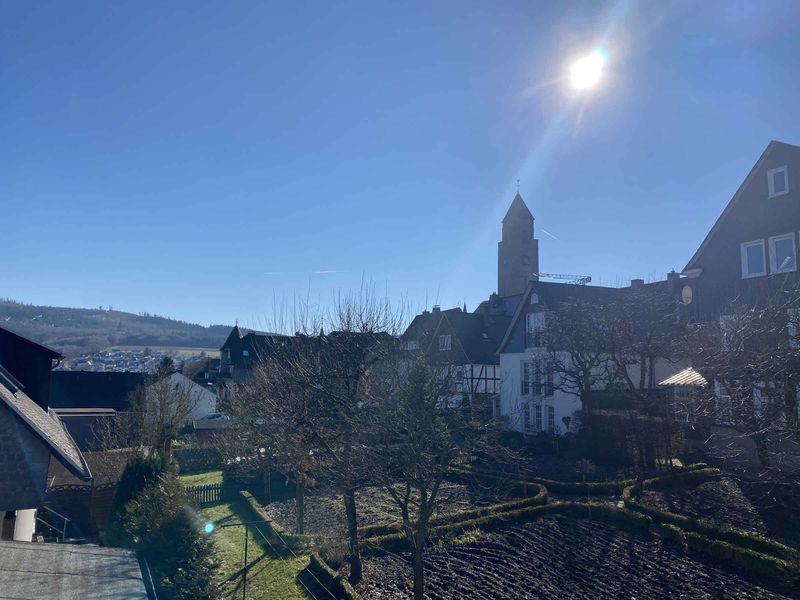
(622, 518)
(330, 579)
(465, 515)
(715, 532)
(292, 539)
(576, 487)
(776, 571)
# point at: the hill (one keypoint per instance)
(76, 330)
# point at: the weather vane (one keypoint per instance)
(518, 186)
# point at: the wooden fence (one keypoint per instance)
(208, 494)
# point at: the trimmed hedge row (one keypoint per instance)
(520, 487)
(780, 573)
(746, 541)
(577, 487)
(294, 540)
(330, 579)
(465, 515)
(622, 518)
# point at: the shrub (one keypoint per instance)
(139, 473)
(465, 515)
(330, 579)
(163, 526)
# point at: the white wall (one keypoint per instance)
(512, 401)
(204, 400)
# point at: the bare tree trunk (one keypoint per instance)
(267, 481)
(407, 529)
(419, 548)
(356, 571)
(300, 501)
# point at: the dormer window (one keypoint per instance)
(754, 262)
(778, 181)
(782, 257)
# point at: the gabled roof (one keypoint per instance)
(552, 294)
(477, 335)
(733, 201)
(45, 426)
(518, 209)
(31, 343)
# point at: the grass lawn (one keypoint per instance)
(204, 478)
(272, 571)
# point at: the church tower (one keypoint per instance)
(518, 251)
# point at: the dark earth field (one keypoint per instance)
(721, 502)
(324, 510)
(557, 558)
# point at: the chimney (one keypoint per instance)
(436, 308)
(673, 277)
(637, 284)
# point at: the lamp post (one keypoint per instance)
(210, 527)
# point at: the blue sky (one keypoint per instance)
(208, 161)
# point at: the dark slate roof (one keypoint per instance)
(93, 389)
(18, 338)
(477, 335)
(46, 426)
(83, 425)
(69, 572)
(518, 209)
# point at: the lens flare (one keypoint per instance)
(209, 528)
(586, 72)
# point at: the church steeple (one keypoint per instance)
(518, 251)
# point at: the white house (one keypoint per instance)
(203, 401)
(531, 400)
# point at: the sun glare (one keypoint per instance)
(586, 72)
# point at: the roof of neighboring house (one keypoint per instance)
(477, 335)
(46, 426)
(31, 570)
(93, 389)
(17, 337)
(734, 200)
(106, 466)
(83, 425)
(686, 377)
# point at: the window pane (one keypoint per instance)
(779, 182)
(755, 259)
(784, 254)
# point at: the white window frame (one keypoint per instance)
(551, 419)
(525, 378)
(526, 418)
(445, 343)
(534, 326)
(773, 259)
(771, 181)
(744, 247)
(537, 416)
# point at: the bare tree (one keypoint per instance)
(417, 439)
(751, 356)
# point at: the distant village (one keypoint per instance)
(646, 434)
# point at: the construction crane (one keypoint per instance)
(577, 279)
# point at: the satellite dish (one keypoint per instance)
(686, 294)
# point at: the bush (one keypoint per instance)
(624, 519)
(465, 515)
(139, 473)
(690, 524)
(162, 525)
(330, 579)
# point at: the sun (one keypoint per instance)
(586, 72)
